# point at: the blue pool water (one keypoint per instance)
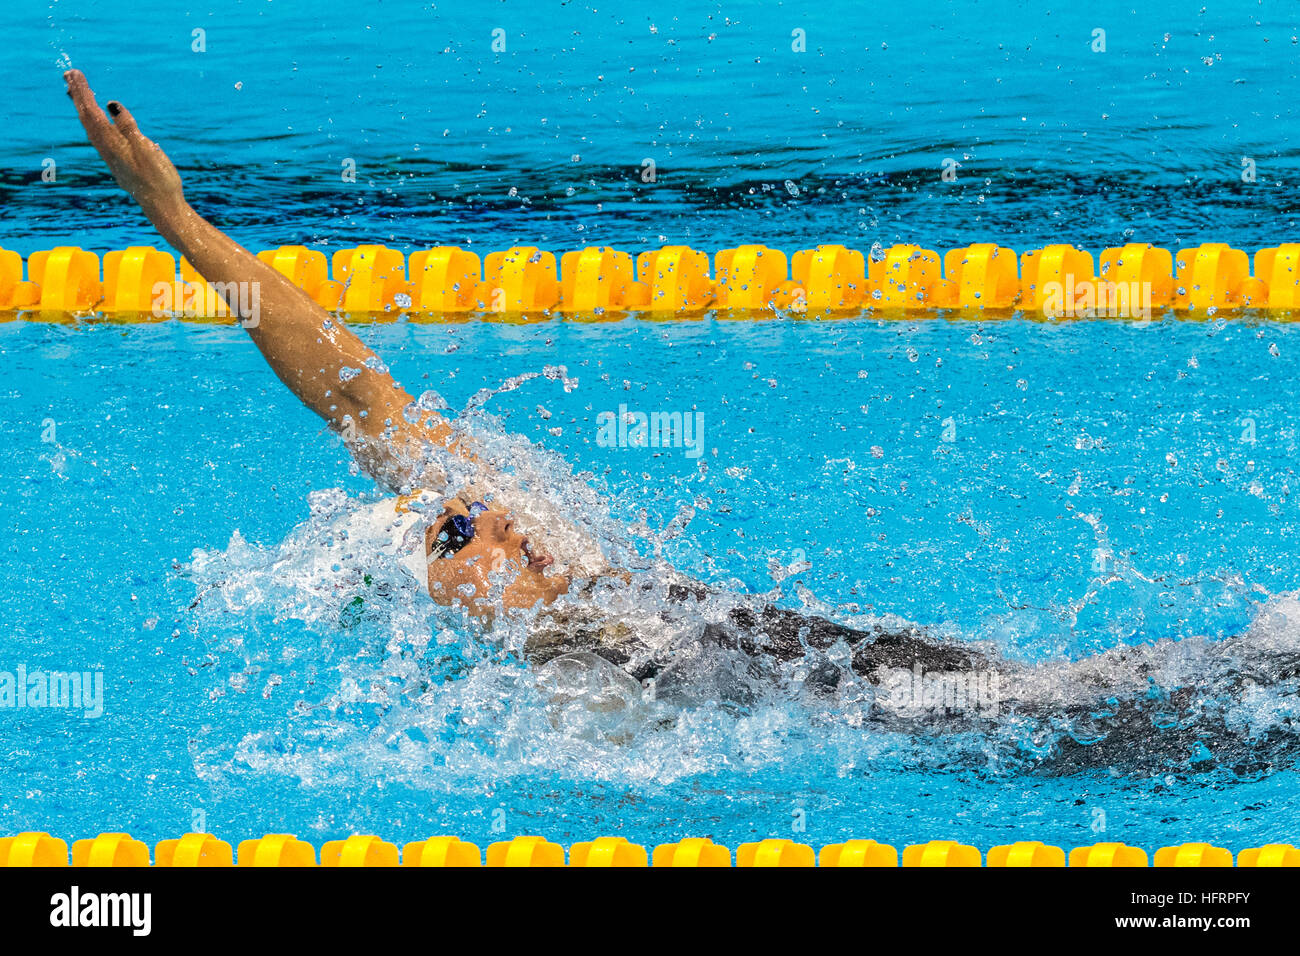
(1049, 490)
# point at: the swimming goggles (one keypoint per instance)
(457, 531)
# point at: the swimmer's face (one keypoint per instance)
(496, 550)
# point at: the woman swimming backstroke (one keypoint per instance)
(471, 546)
(1100, 711)
(334, 375)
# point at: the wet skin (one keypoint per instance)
(327, 367)
(308, 348)
(496, 549)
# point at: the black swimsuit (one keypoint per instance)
(769, 635)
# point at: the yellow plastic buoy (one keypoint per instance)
(608, 851)
(140, 280)
(981, 276)
(33, 849)
(941, 853)
(1211, 276)
(833, 278)
(1027, 853)
(749, 277)
(277, 849)
(1108, 854)
(358, 850)
(110, 849)
(441, 851)
(1053, 280)
(521, 279)
(372, 277)
(11, 276)
(775, 852)
(908, 279)
(1279, 269)
(525, 851)
(859, 853)
(68, 279)
(1193, 854)
(194, 849)
(1138, 271)
(444, 279)
(598, 278)
(677, 278)
(692, 851)
(1272, 854)
(304, 267)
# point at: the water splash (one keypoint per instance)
(354, 675)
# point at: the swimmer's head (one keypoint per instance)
(468, 548)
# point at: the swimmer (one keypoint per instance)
(335, 375)
(474, 555)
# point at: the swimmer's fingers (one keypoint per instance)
(136, 162)
(125, 122)
(98, 129)
(140, 148)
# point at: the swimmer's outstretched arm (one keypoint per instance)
(311, 351)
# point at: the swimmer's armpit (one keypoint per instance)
(311, 351)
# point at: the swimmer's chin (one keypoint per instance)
(531, 591)
(535, 560)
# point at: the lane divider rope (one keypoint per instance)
(141, 282)
(286, 850)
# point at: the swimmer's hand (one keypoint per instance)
(137, 163)
(312, 351)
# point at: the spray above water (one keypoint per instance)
(351, 673)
